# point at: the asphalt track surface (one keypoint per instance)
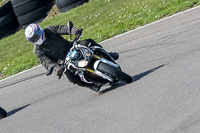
(163, 58)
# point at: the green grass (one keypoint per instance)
(100, 19)
(2, 2)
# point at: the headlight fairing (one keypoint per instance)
(82, 63)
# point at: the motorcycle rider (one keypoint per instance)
(50, 46)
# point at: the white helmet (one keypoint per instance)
(35, 34)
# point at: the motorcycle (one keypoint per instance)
(91, 67)
(3, 113)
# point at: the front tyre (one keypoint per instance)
(3, 113)
(114, 72)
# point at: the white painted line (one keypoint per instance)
(117, 36)
(21, 73)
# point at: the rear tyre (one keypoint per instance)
(118, 74)
(3, 113)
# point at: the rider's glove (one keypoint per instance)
(78, 33)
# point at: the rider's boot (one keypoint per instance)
(114, 55)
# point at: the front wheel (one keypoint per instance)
(3, 113)
(114, 72)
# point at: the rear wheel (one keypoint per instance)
(118, 74)
(3, 113)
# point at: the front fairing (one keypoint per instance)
(77, 54)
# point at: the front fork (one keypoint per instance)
(97, 58)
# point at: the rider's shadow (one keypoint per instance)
(134, 79)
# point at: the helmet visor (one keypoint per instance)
(37, 35)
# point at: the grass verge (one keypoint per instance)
(2, 2)
(100, 19)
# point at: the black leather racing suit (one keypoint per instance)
(55, 47)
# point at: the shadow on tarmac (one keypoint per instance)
(17, 110)
(134, 78)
